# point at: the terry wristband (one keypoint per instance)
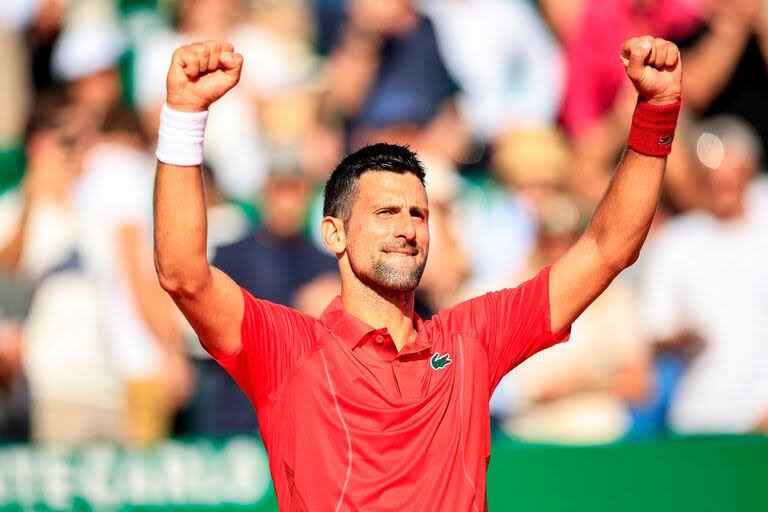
(180, 138)
(653, 128)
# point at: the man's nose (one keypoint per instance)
(406, 227)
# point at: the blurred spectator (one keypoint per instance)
(498, 215)
(34, 216)
(506, 62)
(74, 395)
(386, 77)
(99, 327)
(85, 57)
(726, 63)
(36, 229)
(705, 281)
(114, 204)
(579, 391)
(276, 263)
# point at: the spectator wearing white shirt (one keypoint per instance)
(705, 276)
(113, 203)
(507, 62)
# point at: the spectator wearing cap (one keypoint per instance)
(704, 283)
(497, 214)
(276, 260)
(86, 57)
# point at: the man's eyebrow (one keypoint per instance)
(386, 204)
(386, 201)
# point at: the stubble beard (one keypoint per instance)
(393, 279)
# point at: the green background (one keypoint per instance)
(675, 474)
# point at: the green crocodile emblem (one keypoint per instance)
(438, 361)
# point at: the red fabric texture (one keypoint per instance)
(653, 128)
(351, 423)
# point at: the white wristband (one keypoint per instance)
(180, 138)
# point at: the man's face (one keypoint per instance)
(284, 201)
(727, 185)
(388, 231)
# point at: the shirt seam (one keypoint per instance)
(276, 395)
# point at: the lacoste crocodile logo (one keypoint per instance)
(439, 361)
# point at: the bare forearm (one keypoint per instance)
(620, 224)
(710, 64)
(621, 221)
(180, 227)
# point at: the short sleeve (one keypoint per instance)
(512, 324)
(275, 339)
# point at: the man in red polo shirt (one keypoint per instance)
(369, 407)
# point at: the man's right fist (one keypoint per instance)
(200, 74)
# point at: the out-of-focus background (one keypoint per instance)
(519, 110)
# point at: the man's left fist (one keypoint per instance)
(655, 69)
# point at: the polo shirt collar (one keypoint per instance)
(354, 331)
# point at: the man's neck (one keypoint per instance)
(380, 308)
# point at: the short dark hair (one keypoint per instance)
(340, 187)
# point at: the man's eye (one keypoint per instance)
(384, 213)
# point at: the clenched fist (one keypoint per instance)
(200, 74)
(655, 69)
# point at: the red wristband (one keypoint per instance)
(653, 128)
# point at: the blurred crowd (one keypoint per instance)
(519, 110)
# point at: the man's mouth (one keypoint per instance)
(402, 252)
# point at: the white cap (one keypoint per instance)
(87, 48)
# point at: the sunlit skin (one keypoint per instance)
(382, 249)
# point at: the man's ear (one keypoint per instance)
(334, 234)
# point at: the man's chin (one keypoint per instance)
(401, 279)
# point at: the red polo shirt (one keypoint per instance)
(350, 423)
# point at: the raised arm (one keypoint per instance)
(213, 304)
(620, 224)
